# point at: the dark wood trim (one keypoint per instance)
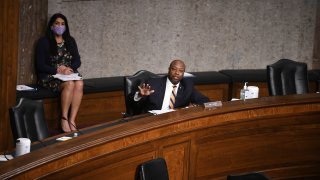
(9, 35)
(236, 88)
(316, 41)
(95, 108)
(277, 135)
(104, 107)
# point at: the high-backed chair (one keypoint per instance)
(155, 169)
(131, 84)
(28, 121)
(287, 77)
(248, 176)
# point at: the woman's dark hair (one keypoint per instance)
(51, 36)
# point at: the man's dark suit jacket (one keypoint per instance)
(186, 94)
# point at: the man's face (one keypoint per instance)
(176, 72)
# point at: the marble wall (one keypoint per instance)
(120, 37)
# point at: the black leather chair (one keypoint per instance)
(28, 121)
(287, 77)
(248, 176)
(131, 84)
(155, 169)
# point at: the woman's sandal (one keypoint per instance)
(73, 127)
(62, 120)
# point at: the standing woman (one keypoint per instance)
(57, 52)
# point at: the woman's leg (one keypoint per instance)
(66, 100)
(75, 103)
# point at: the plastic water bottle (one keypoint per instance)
(243, 91)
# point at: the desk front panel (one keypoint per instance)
(276, 135)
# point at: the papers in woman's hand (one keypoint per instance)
(70, 77)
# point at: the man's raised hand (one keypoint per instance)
(145, 90)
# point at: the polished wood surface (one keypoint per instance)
(103, 107)
(215, 92)
(9, 20)
(263, 89)
(95, 108)
(276, 135)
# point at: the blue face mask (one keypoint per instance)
(58, 30)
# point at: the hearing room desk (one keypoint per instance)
(279, 136)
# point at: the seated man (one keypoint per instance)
(169, 92)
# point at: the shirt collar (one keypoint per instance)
(170, 84)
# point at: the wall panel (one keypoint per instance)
(9, 20)
(121, 37)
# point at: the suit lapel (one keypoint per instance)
(180, 94)
(162, 89)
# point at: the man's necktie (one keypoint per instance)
(173, 97)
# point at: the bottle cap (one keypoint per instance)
(245, 85)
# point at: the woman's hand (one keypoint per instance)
(64, 70)
(60, 69)
(67, 71)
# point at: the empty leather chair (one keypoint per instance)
(155, 169)
(248, 176)
(131, 84)
(287, 77)
(28, 121)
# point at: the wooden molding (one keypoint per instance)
(277, 135)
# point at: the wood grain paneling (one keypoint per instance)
(107, 106)
(248, 145)
(9, 20)
(215, 92)
(95, 108)
(277, 135)
(313, 87)
(177, 158)
(16, 45)
(109, 167)
(263, 89)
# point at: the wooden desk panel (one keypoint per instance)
(103, 107)
(263, 89)
(276, 135)
(263, 148)
(95, 108)
(215, 92)
(313, 87)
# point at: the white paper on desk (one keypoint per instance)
(25, 88)
(6, 157)
(70, 77)
(64, 138)
(186, 74)
(157, 112)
